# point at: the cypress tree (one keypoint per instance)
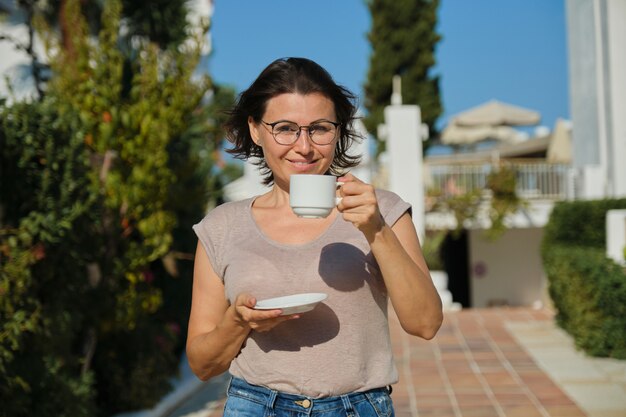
(403, 40)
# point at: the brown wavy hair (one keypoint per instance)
(298, 76)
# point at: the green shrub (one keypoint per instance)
(588, 289)
(581, 223)
(46, 239)
(431, 249)
(99, 182)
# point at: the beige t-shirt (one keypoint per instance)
(341, 346)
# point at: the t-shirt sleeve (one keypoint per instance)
(392, 207)
(211, 232)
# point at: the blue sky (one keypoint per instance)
(510, 50)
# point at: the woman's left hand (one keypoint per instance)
(397, 250)
(360, 206)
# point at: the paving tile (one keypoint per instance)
(608, 413)
(613, 368)
(521, 411)
(437, 412)
(517, 399)
(556, 401)
(456, 363)
(420, 391)
(435, 383)
(401, 404)
(492, 369)
(565, 411)
(479, 412)
(474, 390)
(432, 401)
(500, 379)
(598, 396)
(473, 399)
(464, 380)
(508, 389)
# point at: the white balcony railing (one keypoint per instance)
(535, 180)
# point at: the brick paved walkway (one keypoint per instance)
(474, 367)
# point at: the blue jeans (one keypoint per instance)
(246, 400)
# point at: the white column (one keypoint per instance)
(405, 161)
(616, 235)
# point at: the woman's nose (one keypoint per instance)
(303, 143)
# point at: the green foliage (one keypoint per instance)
(45, 198)
(589, 293)
(403, 38)
(51, 11)
(100, 182)
(504, 199)
(431, 249)
(469, 206)
(161, 21)
(587, 288)
(465, 207)
(581, 223)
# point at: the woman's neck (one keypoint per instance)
(277, 197)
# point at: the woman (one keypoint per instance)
(337, 358)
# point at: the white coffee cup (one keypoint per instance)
(313, 196)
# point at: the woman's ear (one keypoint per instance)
(254, 131)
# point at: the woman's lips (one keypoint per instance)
(302, 165)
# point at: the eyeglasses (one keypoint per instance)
(287, 133)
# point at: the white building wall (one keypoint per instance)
(583, 82)
(616, 24)
(597, 64)
(507, 271)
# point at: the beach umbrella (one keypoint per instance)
(497, 113)
(454, 134)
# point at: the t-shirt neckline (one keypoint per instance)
(286, 245)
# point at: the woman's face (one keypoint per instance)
(303, 156)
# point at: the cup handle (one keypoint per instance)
(338, 199)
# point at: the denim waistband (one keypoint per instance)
(299, 403)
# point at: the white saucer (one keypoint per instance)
(292, 304)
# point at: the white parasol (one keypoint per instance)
(497, 113)
(462, 135)
(492, 120)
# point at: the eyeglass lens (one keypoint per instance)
(321, 133)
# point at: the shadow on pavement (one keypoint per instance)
(207, 393)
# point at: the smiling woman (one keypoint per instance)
(296, 92)
(300, 156)
(365, 253)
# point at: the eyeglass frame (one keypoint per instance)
(271, 125)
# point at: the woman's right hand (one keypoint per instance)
(257, 320)
(217, 329)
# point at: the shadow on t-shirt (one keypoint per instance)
(312, 328)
